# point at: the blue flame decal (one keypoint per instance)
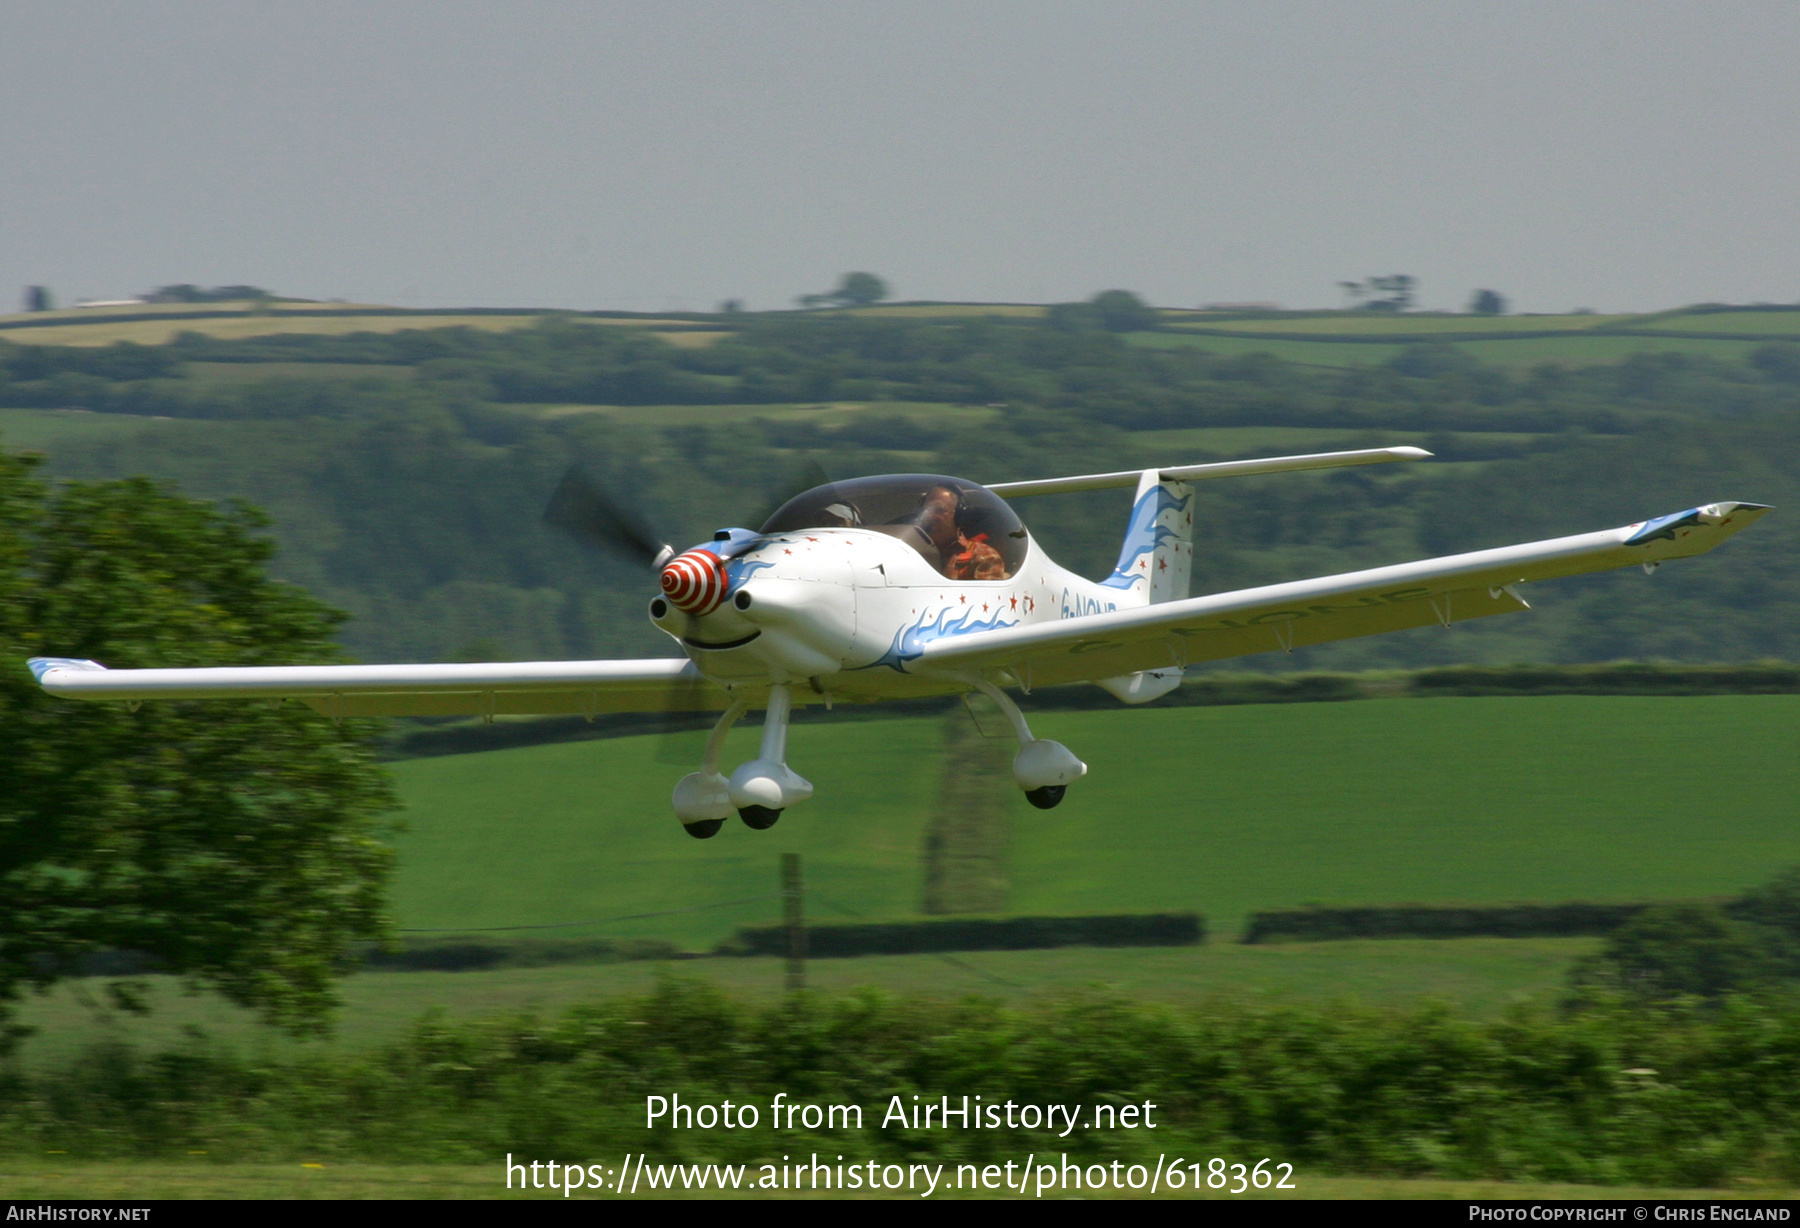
(1143, 535)
(739, 570)
(909, 642)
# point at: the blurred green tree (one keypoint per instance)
(860, 290)
(1391, 293)
(236, 844)
(855, 290)
(1121, 311)
(1683, 951)
(1114, 311)
(1779, 360)
(1487, 303)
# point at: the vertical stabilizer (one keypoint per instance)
(1154, 566)
(1157, 556)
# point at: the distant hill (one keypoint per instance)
(406, 455)
(1328, 338)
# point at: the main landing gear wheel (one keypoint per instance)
(1047, 797)
(758, 818)
(705, 829)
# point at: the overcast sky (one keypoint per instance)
(649, 156)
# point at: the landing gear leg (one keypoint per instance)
(762, 788)
(703, 799)
(1044, 769)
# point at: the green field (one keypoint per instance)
(825, 414)
(1378, 324)
(37, 429)
(1227, 441)
(1321, 338)
(1599, 348)
(156, 323)
(1577, 349)
(226, 374)
(158, 329)
(1220, 810)
(1774, 323)
(1321, 353)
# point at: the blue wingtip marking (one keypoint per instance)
(40, 666)
(1664, 526)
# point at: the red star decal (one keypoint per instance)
(812, 539)
(1015, 603)
(787, 551)
(960, 598)
(1162, 564)
(984, 607)
(1143, 563)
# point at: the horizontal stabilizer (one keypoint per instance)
(1218, 469)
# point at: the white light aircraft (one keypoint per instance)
(917, 585)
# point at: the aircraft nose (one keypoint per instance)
(694, 581)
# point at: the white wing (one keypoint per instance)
(1450, 589)
(1216, 469)
(513, 688)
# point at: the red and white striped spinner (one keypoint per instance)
(694, 581)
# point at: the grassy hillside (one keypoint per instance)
(405, 463)
(1574, 350)
(1323, 338)
(159, 323)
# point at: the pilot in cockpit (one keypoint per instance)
(960, 556)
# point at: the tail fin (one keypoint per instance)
(1154, 566)
(1158, 553)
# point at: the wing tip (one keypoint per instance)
(1707, 515)
(39, 666)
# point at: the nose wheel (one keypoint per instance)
(758, 791)
(758, 818)
(1047, 797)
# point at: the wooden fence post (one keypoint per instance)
(793, 916)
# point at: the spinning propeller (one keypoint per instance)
(580, 508)
(583, 511)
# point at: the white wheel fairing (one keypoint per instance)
(1041, 763)
(700, 796)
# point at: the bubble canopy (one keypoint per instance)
(963, 529)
